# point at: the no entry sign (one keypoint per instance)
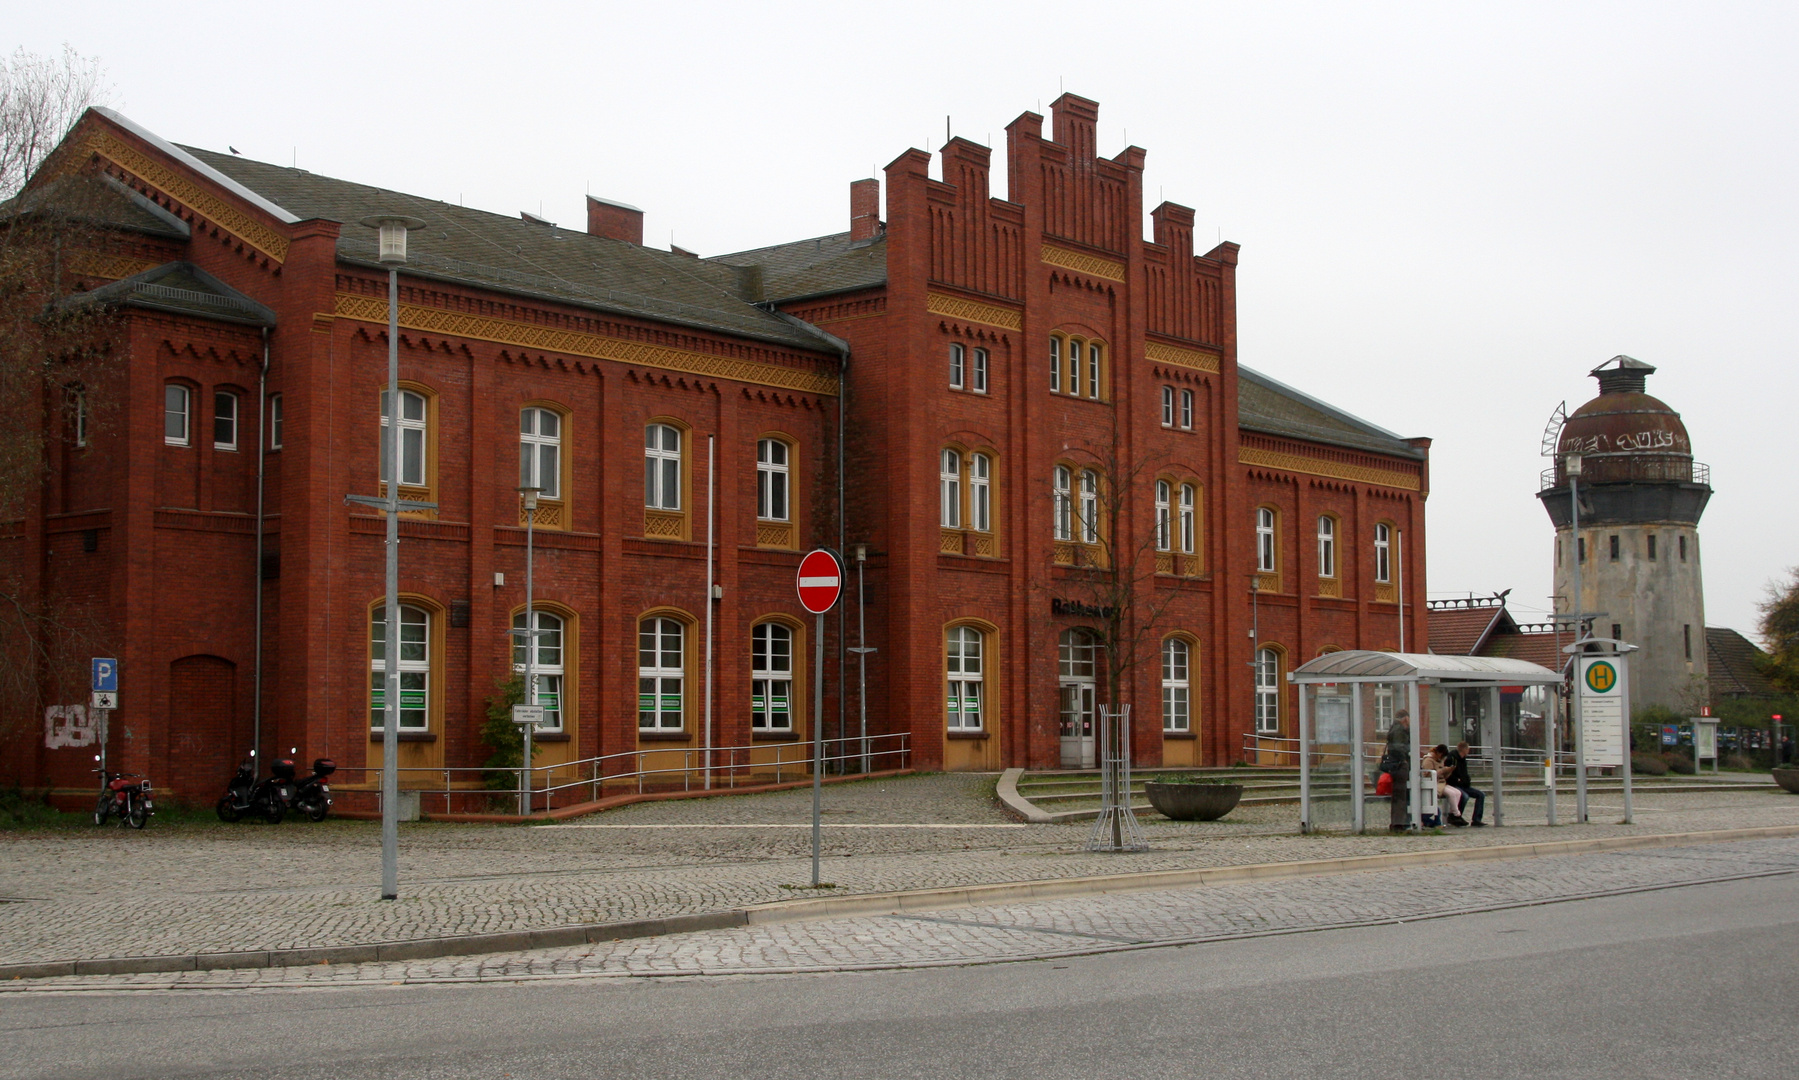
(820, 581)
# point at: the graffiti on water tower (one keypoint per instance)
(1652, 439)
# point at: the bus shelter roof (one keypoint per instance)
(1362, 665)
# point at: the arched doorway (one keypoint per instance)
(1077, 653)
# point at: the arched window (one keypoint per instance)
(274, 421)
(771, 480)
(1189, 519)
(413, 429)
(1383, 553)
(224, 420)
(1093, 370)
(958, 366)
(1268, 692)
(1167, 406)
(980, 492)
(548, 667)
(662, 467)
(1089, 507)
(1187, 410)
(1327, 546)
(661, 674)
(771, 677)
(177, 410)
(1055, 364)
(963, 662)
(977, 372)
(1176, 686)
(1264, 540)
(76, 404)
(1164, 511)
(414, 665)
(540, 451)
(949, 486)
(1064, 503)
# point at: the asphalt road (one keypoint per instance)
(1696, 981)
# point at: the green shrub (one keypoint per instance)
(1648, 765)
(1679, 762)
(1189, 778)
(505, 738)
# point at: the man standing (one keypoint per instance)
(1458, 779)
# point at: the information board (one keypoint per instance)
(1602, 710)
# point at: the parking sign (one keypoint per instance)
(106, 675)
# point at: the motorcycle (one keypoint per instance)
(130, 799)
(313, 797)
(268, 797)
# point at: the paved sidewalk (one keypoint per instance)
(176, 890)
(1042, 930)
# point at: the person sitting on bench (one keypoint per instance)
(1458, 779)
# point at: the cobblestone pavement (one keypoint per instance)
(1037, 930)
(178, 889)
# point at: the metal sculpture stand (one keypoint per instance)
(1116, 828)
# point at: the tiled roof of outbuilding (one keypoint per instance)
(1537, 647)
(1460, 631)
(183, 288)
(1730, 661)
(507, 254)
(816, 267)
(1272, 407)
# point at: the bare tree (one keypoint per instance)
(51, 350)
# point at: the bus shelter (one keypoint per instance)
(1348, 702)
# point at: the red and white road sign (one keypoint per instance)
(820, 581)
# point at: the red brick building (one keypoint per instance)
(1029, 418)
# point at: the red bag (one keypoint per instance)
(1384, 786)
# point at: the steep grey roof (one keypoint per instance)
(475, 247)
(182, 288)
(100, 200)
(816, 267)
(1274, 408)
(1731, 662)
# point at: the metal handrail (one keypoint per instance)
(1521, 756)
(724, 765)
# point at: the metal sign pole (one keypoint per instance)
(1579, 720)
(390, 676)
(1624, 720)
(818, 731)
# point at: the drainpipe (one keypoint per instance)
(262, 452)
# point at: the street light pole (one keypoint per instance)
(524, 785)
(391, 252)
(862, 650)
(1571, 465)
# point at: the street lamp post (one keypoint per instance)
(392, 254)
(1571, 465)
(530, 726)
(862, 650)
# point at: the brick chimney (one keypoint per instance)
(865, 209)
(615, 220)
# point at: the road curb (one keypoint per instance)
(880, 903)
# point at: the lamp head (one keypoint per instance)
(1571, 464)
(529, 494)
(392, 229)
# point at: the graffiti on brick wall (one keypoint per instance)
(70, 725)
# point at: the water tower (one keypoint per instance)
(1641, 495)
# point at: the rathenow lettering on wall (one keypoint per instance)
(1076, 608)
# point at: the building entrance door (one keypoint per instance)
(1077, 725)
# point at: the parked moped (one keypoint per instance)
(268, 797)
(313, 796)
(128, 798)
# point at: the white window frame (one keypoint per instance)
(1186, 410)
(414, 668)
(977, 372)
(1093, 369)
(958, 366)
(1384, 700)
(1268, 691)
(1077, 653)
(663, 681)
(980, 492)
(224, 419)
(773, 490)
(1061, 486)
(662, 467)
(1189, 521)
(1164, 511)
(551, 666)
(275, 421)
(949, 488)
(1089, 511)
(177, 406)
(1265, 540)
(78, 414)
(964, 662)
(536, 450)
(1177, 686)
(1077, 348)
(1327, 546)
(1055, 364)
(771, 677)
(1383, 553)
(1167, 406)
(414, 439)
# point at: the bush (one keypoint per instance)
(505, 738)
(1189, 778)
(1679, 762)
(1648, 765)
(1741, 762)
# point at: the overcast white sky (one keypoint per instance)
(1449, 212)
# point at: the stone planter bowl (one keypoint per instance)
(1193, 802)
(1786, 778)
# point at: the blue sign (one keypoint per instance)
(106, 675)
(1670, 734)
